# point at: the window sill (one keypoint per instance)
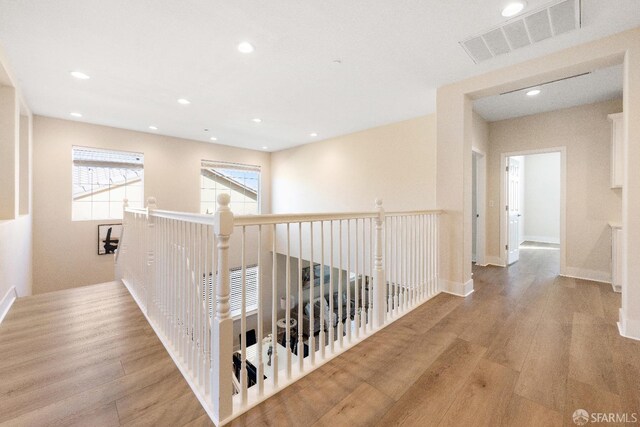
(249, 313)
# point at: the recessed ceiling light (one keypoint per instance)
(533, 92)
(184, 101)
(256, 120)
(513, 8)
(79, 75)
(265, 147)
(313, 134)
(213, 138)
(246, 47)
(153, 127)
(74, 114)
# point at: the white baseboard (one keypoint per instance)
(585, 274)
(542, 239)
(494, 260)
(456, 288)
(628, 328)
(7, 301)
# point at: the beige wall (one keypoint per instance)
(395, 162)
(15, 191)
(65, 251)
(591, 203)
(480, 134)
(15, 256)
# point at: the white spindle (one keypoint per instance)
(379, 285)
(340, 313)
(357, 283)
(312, 282)
(243, 319)
(288, 303)
(372, 249)
(363, 291)
(323, 320)
(331, 307)
(349, 283)
(260, 367)
(300, 303)
(274, 306)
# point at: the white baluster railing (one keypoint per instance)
(321, 283)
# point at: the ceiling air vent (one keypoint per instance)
(555, 18)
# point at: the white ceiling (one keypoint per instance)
(599, 85)
(143, 55)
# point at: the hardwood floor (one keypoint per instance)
(87, 357)
(527, 348)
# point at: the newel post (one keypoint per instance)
(379, 283)
(222, 331)
(150, 275)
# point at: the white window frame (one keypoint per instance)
(105, 164)
(210, 164)
(235, 289)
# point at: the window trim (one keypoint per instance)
(251, 309)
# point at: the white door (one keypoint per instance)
(513, 210)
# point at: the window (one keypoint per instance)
(102, 179)
(235, 287)
(235, 299)
(241, 182)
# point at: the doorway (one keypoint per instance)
(533, 193)
(478, 222)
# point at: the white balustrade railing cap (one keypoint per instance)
(269, 219)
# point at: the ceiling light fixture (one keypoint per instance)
(153, 127)
(79, 75)
(313, 134)
(265, 147)
(246, 47)
(513, 8)
(74, 114)
(256, 120)
(213, 138)
(184, 101)
(533, 92)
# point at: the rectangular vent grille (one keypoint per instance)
(553, 19)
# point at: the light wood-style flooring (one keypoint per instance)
(88, 357)
(527, 348)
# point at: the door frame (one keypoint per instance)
(481, 194)
(563, 201)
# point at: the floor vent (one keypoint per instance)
(555, 18)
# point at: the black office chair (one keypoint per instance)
(251, 338)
